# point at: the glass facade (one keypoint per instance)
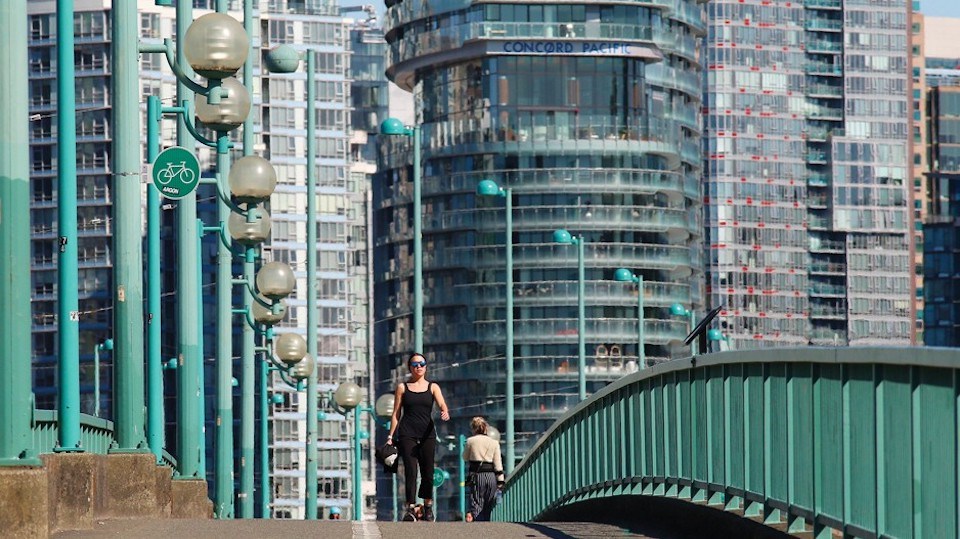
(941, 253)
(590, 114)
(94, 209)
(808, 229)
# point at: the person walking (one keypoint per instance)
(412, 421)
(482, 454)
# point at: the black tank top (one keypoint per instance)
(417, 418)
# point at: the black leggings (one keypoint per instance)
(414, 451)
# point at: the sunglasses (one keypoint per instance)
(414, 364)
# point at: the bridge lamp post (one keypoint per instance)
(626, 276)
(678, 309)
(565, 238)
(267, 315)
(106, 345)
(347, 398)
(717, 335)
(394, 127)
(490, 188)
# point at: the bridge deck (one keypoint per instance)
(287, 529)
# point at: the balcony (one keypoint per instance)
(818, 180)
(824, 46)
(819, 158)
(823, 25)
(823, 69)
(823, 4)
(828, 91)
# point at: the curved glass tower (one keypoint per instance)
(590, 114)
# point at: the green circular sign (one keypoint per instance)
(176, 172)
(439, 476)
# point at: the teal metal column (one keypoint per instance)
(581, 324)
(247, 395)
(462, 476)
(641, 338)
(68, 316)
(128, 382)
(225, 451)
(154, 360)
(264, 441)
(248, 344)
(356, 488)
(417, 245)
(511, 430)
(311, 502)
(16, 405)
(190, 458)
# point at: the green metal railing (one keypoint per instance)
(96, 435)
(856, 441)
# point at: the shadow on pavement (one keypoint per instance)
(660, 518)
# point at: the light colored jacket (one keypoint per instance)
(482, 448)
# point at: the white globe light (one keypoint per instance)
(230, 112)
(290, 348)
(265, 315)
(247, 232)
(275, 280)
(348, 395)
(252, 179)
(216, 45)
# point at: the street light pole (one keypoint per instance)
(581, 324)
(625, 275)
(191, 458)
(393, 126)
(563, 237)
(16, 436)
(311, 503)
(247, 361)
(128, 379)
(490, 188)
(462, 476)
(155, 415)
(68, 317)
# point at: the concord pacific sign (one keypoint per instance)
(571, 48)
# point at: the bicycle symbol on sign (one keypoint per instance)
(172, 171)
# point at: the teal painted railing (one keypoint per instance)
(96, 435)
(861, 441)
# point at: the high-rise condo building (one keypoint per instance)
(808, 224)
(589, 113)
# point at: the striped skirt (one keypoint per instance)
(483, 497)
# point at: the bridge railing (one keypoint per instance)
(96, 434)
(858, 440)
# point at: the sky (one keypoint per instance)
(940, 8)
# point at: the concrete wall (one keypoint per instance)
(73, 490)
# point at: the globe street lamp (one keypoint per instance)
(626, 276)
(216, 46)
(678, 309)
(393, 126)
(384, 410)
(563, 237)
(347, 398)
(490, 188)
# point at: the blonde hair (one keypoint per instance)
(478, 425)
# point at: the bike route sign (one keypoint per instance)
(176, 172)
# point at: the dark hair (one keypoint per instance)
(414, 356)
